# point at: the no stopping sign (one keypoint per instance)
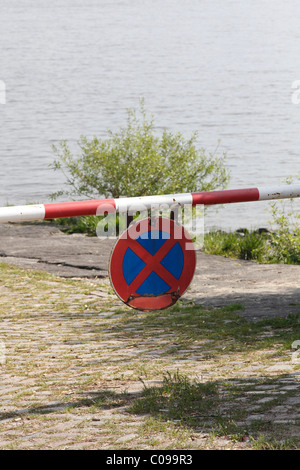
(152, 264)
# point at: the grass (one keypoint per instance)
(220, 330)
(178, 399)
(215, 408)
(277, 246)
(84, 371)
(260, 246)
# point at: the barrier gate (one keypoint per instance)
(153, 261)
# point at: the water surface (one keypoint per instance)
(222, 68)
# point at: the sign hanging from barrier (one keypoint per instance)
(152, 264)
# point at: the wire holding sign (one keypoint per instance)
(152, 264)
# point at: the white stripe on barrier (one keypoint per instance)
(279, 192)
(146, 202)
(22, 213)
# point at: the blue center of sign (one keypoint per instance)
(152, 241)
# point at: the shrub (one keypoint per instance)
(285, 241)
(135, 161)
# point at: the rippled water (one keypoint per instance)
(223, 68)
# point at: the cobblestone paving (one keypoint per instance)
(69, 372)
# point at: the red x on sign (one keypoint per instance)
(152, 264)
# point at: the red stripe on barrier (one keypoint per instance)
(223, 197)
(79, 208)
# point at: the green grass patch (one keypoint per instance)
(261, 246)
(218, 408)
(178, 399)
(215, 330)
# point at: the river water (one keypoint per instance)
(223, 68)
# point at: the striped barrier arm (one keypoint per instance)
(93, 207)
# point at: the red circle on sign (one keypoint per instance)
(152, 264)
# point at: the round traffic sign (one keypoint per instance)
(152, 263)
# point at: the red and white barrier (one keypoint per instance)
(100, 206)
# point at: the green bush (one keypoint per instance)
(252, 246)
(285, 241)
(135, 161)
(241, 244)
